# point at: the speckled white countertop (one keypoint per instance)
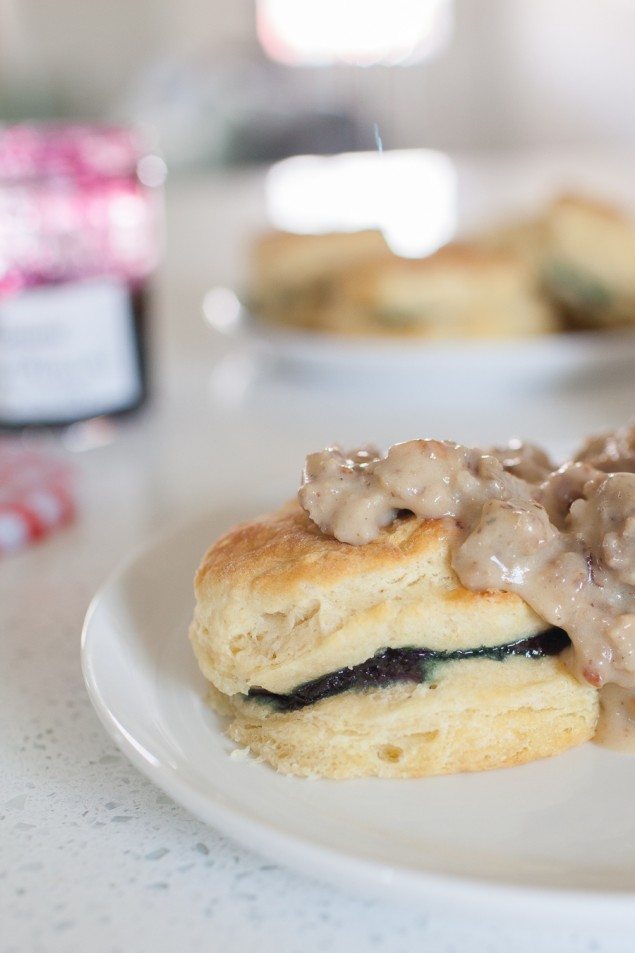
(92, 857)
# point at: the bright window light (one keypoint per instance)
(410, 195)
(357, 32)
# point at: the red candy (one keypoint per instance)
(36, 496)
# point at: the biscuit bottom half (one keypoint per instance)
(471, 715)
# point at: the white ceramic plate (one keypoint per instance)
(537, 359)
(550, 839)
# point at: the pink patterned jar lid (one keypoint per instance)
(30, 151)
(76, 201)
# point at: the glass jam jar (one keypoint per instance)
(80, 235)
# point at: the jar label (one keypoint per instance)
(67, 352)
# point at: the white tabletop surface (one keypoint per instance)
(92, 857)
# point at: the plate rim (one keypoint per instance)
(359, 875)
(570, 344)
(397, 343)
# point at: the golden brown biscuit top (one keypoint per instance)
(285, 548)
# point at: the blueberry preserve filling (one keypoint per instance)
(406, 665)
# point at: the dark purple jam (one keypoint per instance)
(406, 665)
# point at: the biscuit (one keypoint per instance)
(582, 254)
(475, 715)
(280, 605)
(590, 262)
(291, 274)
(462, 290)
(525, 237)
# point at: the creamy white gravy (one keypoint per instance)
(563, 539)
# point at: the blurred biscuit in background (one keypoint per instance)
(590, 262)
(526, 237)
(583, 254)
(460, 291)
(291, 275)
(351, 283)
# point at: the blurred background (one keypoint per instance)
(176, 136)
(225, 82)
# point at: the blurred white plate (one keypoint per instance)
(523, 360)
(554, 839)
